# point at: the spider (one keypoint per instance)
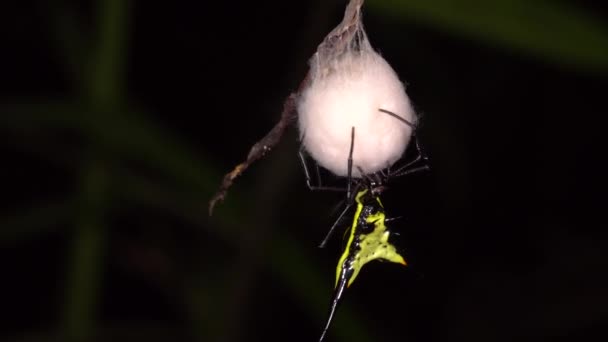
(368, 235)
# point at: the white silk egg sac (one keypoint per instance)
(350, 92)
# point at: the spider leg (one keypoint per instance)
(412, 170)
(411, 125)
(309, 183)
(350, 162)
(407, 168)
(318, 174)
(319, 186)
(390, 219)
(333, 227)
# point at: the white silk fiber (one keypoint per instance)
(348, 90)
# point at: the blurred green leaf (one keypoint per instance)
(33, 221)
(129, 136)
(106, 65)
(555, 31)
(86, 260)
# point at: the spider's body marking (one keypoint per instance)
(368, 240)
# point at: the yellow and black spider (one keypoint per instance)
(369, 237)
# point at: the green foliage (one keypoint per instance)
(555, 31)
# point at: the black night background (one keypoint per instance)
(118, 120)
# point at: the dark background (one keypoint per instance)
(118, 119)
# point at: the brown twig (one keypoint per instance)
(260, 148)
(336, 40)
